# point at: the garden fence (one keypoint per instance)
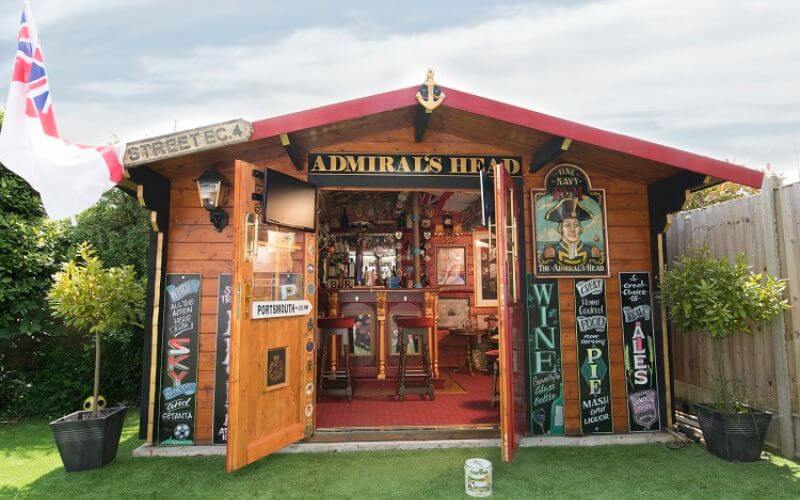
(765, 365)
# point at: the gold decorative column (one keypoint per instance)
(380, 334)
(429, 310)
(333, 312)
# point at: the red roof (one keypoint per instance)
(397, 99)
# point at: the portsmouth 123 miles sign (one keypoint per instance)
(594, 366)
(544, 357)
(640, 352)
(179, 360)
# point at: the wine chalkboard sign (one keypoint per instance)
(179, 360)
(224, 298)
(594, 366)
(640, 352)
(544, 357)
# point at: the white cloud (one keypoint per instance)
(712, 76)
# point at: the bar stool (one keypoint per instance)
(493, 357)
(420, 329)
(335, 382)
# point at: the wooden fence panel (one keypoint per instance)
(728, 229)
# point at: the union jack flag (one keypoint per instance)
(29, 69)
(69, 177)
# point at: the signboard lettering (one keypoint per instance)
(638, 339)
(544, 357)
(569, 225)
(593, 358)
(278, 309)
(407, 164)
(224, 299)
(179, 360)
(187, 142)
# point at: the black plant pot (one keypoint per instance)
(737, 437)
(88, 443)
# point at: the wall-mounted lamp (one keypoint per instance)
(210, 187)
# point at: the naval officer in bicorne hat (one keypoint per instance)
(569, 213)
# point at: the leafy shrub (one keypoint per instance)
(95, 299)
(45, 369)
(719, 298)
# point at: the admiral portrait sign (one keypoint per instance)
(569, 226)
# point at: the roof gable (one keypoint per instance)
(495, 110)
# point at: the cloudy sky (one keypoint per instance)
(716, 77)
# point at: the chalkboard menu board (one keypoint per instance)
(224, 297)
(179, 360)
(544, 357)
(591, 323)
(640, 352)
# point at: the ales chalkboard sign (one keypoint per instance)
(224, 297)
(544, 357)
(640, 352)
(179, 360)
(594, 366)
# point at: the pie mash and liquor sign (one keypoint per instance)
(594, 366)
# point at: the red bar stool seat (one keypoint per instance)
(493, 357)
(335, 382)
(421, 330)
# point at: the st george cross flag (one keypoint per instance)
(69, 177)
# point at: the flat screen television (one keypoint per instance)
(289, 202)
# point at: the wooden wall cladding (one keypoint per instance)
(195, 246)
(629, 250)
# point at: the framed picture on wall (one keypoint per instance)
(277, 360)
(485, 259)
(453, 312)
(451, 266)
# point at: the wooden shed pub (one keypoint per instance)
(418, 264)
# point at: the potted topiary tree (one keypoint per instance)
(720, 298)
(97, 300)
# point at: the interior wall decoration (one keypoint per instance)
(485, 264)
(640, 354)
(594, 365)
(224, 297)
(179, 360)
(544, 357)
(452, 312)
(451, 266)
(569, 220)
(277, 360)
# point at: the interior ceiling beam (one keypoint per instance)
(421, 120)
(549, 151)
(291, 150)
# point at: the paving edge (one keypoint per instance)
(528, 442)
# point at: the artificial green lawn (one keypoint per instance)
(29, 465)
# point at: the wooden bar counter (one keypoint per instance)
(376, 310)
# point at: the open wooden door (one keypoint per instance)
(508, 211)
(271, 382)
